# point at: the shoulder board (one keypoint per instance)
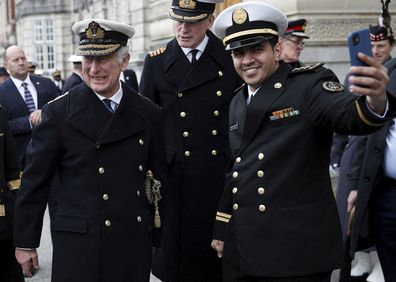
(59, 97)
(307, 68)
(157, 52)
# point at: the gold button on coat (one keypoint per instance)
(214, 152)
(220, 73)
(140, 168)
(105, 197)
(214, 132)
(182, 114)
(186, 134)
(180, 94)
(141, 142)
(235, 206)
(234, 190)
(216, 113)
(107, 223)
(187, 153)
(277, 85)
(238, 160)
(101, 170)
(260, 156)
(139, 219)
(235, 174)
(261, 208)
(260, 173)
(261, 190)
(219, 93)
(97, 146)
(138, 193)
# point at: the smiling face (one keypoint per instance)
(190, 35)
(256, 63)
(102, 73)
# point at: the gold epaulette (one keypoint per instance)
(307, 68)
(59, 97)
(157, 52)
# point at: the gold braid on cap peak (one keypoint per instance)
(249, 32)
(101, 49)
(186, 18)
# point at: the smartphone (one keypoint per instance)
(359, 41)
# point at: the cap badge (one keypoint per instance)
(333, 86)
(94, 31)
(239, 16)
(187, 4)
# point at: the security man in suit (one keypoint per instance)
(129, 77)
(277, 219)
(10, 270)
(292, 42)
(103, 138)
(193, 80)
(59, 82)
(23, 95)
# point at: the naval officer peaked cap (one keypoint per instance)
(191, 10)
(297, 28)
(249, 23)
(101, 37)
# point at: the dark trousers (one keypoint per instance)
(231, 273)
(384, 227)
(10, 270)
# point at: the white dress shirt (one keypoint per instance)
(115, 99)
(201, 48)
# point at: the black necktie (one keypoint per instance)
(108, 104)
(194, 56)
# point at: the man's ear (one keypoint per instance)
(126, 61)
(277, 50)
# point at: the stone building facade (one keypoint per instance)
(43, 27)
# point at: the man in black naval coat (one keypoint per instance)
(10, 270)
(374, 221)
(102, 139)
(194, 93)
(277, 219)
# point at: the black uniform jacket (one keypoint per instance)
(103, 224)
(195, 101)
(73, 80)
(9, 178)
(17, 111)
(277, 215)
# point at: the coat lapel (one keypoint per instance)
(238, 109)
(13, 91)
(258, 107)
(128, 120)
(40, 91)
(176, 64)
(87, 112)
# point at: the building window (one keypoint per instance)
(44, 44)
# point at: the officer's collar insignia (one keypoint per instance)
(187, 4)
(239, 16)
(333, 86)
(94, 31)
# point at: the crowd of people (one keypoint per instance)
(214, 168)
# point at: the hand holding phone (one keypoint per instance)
(359, 41)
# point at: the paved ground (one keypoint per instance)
(45, 255)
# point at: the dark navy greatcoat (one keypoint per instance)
(104, 223)
(17, 111)
(194, 100)
(10, 270)
(278, 215)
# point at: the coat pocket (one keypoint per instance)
(71, 223)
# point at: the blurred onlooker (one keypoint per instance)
(292, 42)
(32, 67)
(3, 74)
(381, 43)
(57, 78)
(76, 77)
